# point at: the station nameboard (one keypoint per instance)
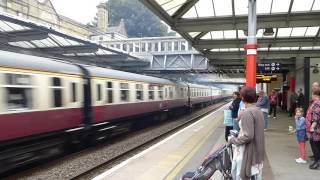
(269, 67)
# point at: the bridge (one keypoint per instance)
(164, 53)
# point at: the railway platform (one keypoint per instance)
(185, 150)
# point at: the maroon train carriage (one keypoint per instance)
(45, 103)
(201, 95)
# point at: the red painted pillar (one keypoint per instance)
(251, 66)
(292, 84)
(251, 46)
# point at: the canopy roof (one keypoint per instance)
(22, 35)
(217, 28)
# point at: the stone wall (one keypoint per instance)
(44, 13)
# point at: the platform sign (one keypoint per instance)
(269, 67)
(265, 78)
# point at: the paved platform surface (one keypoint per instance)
(282, 150)
(167, 159)
(186, 149)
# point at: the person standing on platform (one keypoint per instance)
(293, 103)
(234, 107)
(250, 144)
(300, 101)
(241, 108)
(263, 104)
(301, 135)
(313, 125)
(273, 99)
(280, 99)
(315, 86)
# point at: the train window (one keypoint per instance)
(165, 92)
(99, 92)
(139, 92)
(170, 92)
(19, 92)
(74, 92)
(109, 92)
(151, 92)
(160, 92)
(109, 84)
(124, 92)
(56, 81)
(57, 92)
(182, 92)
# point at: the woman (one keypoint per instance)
(250, 138)
(263, 104)
(273, 99)
(313, 127)
(234, 107)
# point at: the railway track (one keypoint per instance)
(90, 162)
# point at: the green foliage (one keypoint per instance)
(139, 21)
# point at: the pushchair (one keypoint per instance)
(220, 160)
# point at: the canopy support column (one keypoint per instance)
(251, 47)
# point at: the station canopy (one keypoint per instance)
(286, 29)
(24, 36)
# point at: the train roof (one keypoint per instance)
(24, 61)
(201, 86)
(30, 62)
(115, 74)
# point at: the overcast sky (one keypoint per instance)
(82, 11)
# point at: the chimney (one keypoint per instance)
(102, 17)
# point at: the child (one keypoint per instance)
(301, 135)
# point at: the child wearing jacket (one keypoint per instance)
(301, 135)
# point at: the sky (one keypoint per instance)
(82, 11)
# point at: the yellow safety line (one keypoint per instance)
(37, 72)
(175, 171)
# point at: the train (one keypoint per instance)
(47, 102)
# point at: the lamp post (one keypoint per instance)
(251, 46)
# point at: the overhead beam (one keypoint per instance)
(184, 9)
(158, 10)
(241, 62)
(24, 35)
(289, 11)
(200, 35)
(263, 42)
(264, 54)
(69, 49)
(264, 21)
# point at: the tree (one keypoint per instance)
(139, 21)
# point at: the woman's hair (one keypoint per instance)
(248, 94)
(316, 92)
(299, 110)
(236, 93)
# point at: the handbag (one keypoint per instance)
(228, 121)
